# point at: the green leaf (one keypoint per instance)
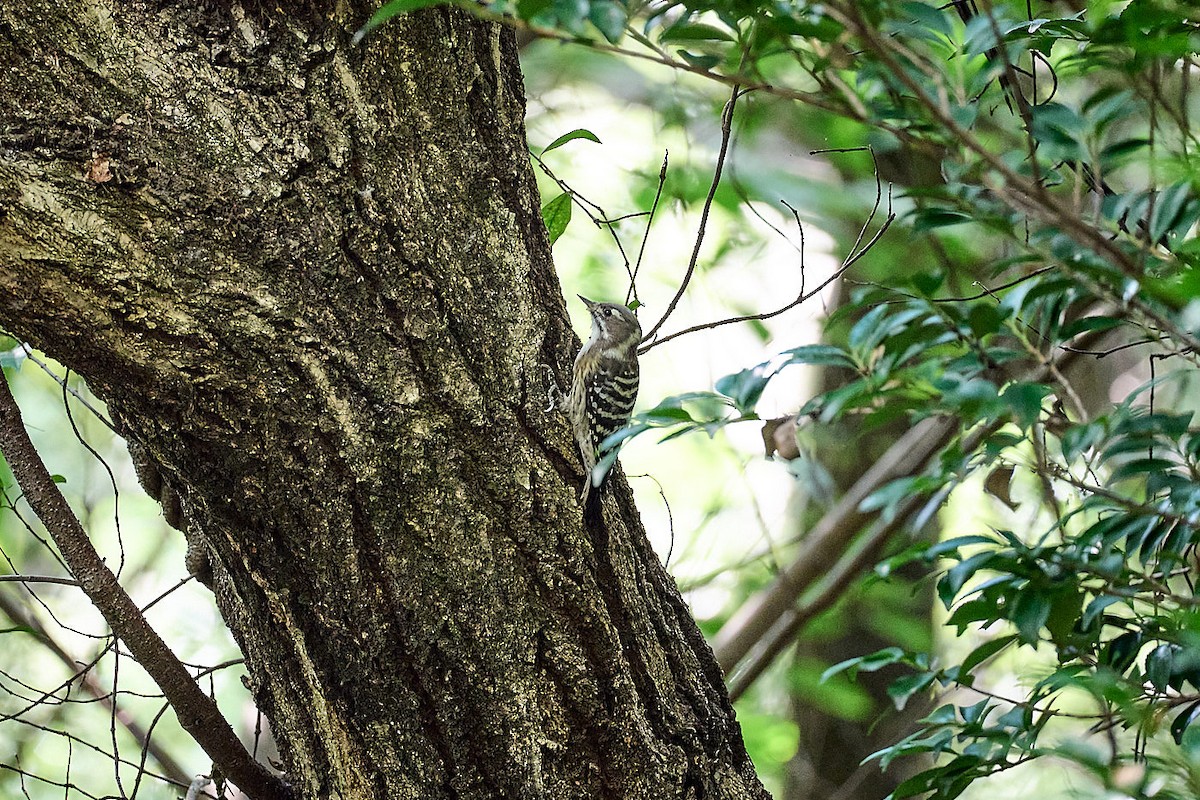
(1092, 613)
(1160, 665)
(824, 355)
(1169, 209)
(986, 318)
(1025, 401)
(952, 545)
(928, 16)
(982, 653)
(1121, 651)
(616, 437)
(578, 133)
(609, 18)
(386, 12)
(700, 60)
(745, 387)
(976, 610)
(890, 495)
(928, 284)
(927, 219)
(557, 214)
(1114, 154)
(1059, 127)
(694, 32)
(668, 415)
(1030, 611)
(12, 353)
(954, 579)
(528, 9)
(1142, 466)
(902, 689)
(1093, 323)
(1078, 438)
(870, 663)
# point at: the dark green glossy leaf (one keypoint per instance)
(1030, 610)
(957, 576)
(985, 651)
(1092, 613)
(1121, 651)
(1025, 401)
(1093, 323)
(666, 416)
(870, 663)
(700, 60)
(902, 689)
(1160, 664)
(927, 219)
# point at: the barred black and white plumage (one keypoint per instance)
(604, 382)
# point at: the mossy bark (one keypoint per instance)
(312, 283)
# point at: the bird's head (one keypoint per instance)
(615, 326)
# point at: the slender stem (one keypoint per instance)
(726, 135)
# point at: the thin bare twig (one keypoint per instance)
(62, 381)
(112, 478)
(726, 135)
(670, 518)
(600, 218)
(662, 179)
(91, 685)
(38, 579)
(857, 251)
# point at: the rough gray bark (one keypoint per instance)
(313, 285)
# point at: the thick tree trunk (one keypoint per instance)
(312, 283)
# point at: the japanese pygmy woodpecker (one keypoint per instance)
(604, 382)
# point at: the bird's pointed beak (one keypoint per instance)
(586, 302)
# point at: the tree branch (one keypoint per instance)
(726, 135)
(197, 714)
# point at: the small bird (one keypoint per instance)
(604, 382)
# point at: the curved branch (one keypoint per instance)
(198, 715)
